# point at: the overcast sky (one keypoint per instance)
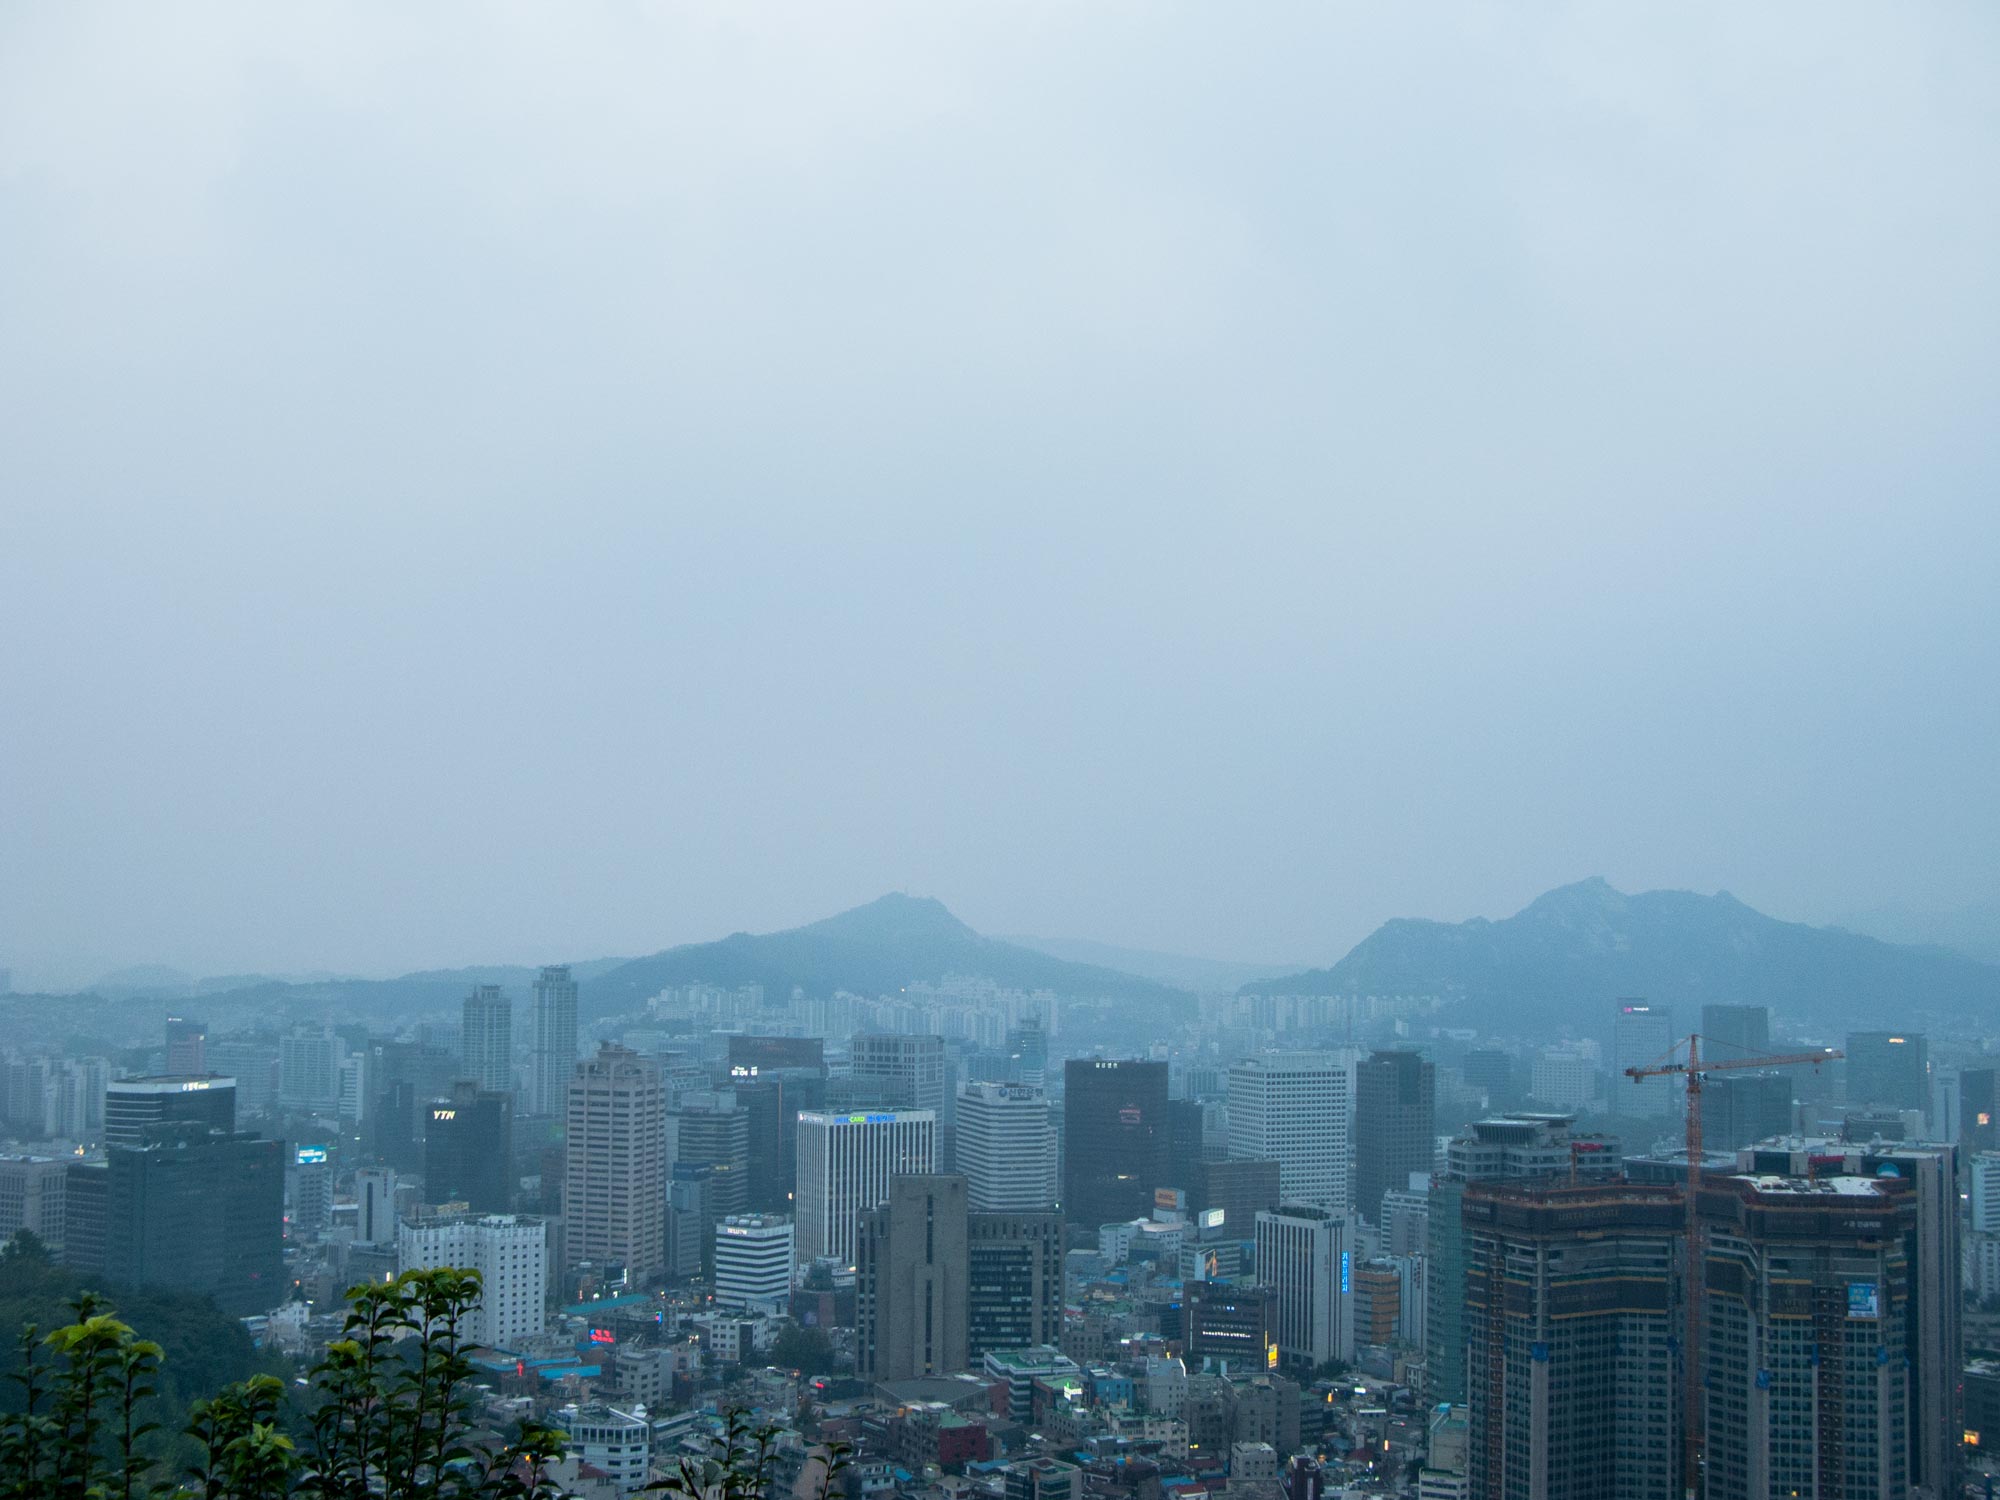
(495, 483)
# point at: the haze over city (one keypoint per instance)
(485, 486)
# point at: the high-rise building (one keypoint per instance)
(1889, 1070)
(555, 1039)
(132, 1106)
(1240, 1188)
(1014, 1280)
(1028, 1045)
(1395, 1096)
(1735, 1031)
(1306, 1257)
(1006, 1148)
(1504, 1148)
(486, 1039)
(619, 1443)
(375, 1206)
(615, 1164)
(1115, 1138)
(906, 1072)
(1230, 1325)
(1978, 1111)
(690, 1221)
(187, 1047)
(511, 1254)
(1641, 1034)
(846, 1162)
(308, 1070)
(1932, 1244)
(707, 1130)
(1743, 1107)
(32, 1197)
(1492, 1071)
(754, 1258)
(1572, 1318)
(198, 1210)
(309, 1187)
(763, 1054)
(771, 1101)
(1294, 1108)
(910, 1280)
(469, 1149)
(1809, 1300)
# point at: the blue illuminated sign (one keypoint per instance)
(1344, 1255)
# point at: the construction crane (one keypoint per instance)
(1694, 1068)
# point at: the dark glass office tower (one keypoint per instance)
(1115, 1138)
(469, 1150)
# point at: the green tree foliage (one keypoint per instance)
(807, 1350)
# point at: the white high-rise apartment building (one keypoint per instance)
(754, 1256)
(511, 1254)
(1306, 1255)
(486, 1039)
(615, 1163)
(845, 1163)
(555, 1039)
(1296, 1108)
(1006, 1148)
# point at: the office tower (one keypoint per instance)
(1641, 1035)
(1743, 1107)
(1378, 1302)
(615, 1164)
(1028, 1047)
(486, 1039)
(754, 1257)
(375, 1206)
(555, 1039)
(132, 1106)
(187, 1045)
(511, 1254)
(690, 1221)
(1985, 1195)
(771, 1103)
(1735, 1031)
(1504, 1148)
(1014, 1280)
(910, 1278)
(846, 1162)
(198, 1210)
(706, 1130)
(309, 1184)
(1293, 1107)
(1572, 1321)
(1006, 1147)
(1114, 1138)
(1888, 1070)
(1978, 1111)
(1305, 1256)
(1932, 1244)
(1491, 1070)
(1236, 1188)
(1230, 1325)
(309, 1071)
(1395, 1096)
(760, 1054)
(469, 1150)
(32, 1197)
(908, 1070)
(403, 1079)
(1809, 1296)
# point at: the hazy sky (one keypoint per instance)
(505, 483)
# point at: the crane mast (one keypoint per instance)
(1693, 1069)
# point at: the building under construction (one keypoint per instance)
(1572, 1322)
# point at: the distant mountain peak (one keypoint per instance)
(896, 916)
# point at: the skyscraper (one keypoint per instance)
(1890, 1070)
(1735, 1031)
(1006, 1147)
(198, 1210)
(1115, 1138)
(1641, 1035)
(910, 1279)
(1978, 1112)
(375, 1206)
(1293, 1107)
(1504, 1148)
(902, 1072)
(469, 1149)
(1572, 1319)
(133, 1105)
(555, 1039)
(1809, 1301)
(707, 1130)
(846, 1162)
(187, 1046)
(1745, 1107)
(1395, 1097)
(486, 1039)
(615, 1163)
(1306, 1257)
(754, 1259)
(1014, 1280)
